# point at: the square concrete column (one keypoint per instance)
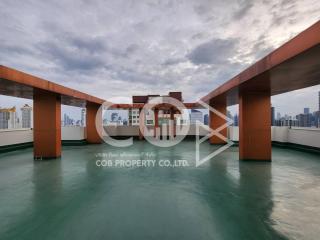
(255, 126)
(47, 124)
(91, 130)
(216, 121)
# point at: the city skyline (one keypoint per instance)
(298, 103)
(123, 116)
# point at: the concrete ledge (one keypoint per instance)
(14, 147)
(295, 146)
(19, 146)
(299, 147)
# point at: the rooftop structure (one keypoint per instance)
(153, 118)
(146, 98)
(252, 89)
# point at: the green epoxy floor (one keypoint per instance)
(72, 198)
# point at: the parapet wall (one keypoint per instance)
(302, 136)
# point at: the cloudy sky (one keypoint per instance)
(120, 48)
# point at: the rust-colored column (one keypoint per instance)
(216, 121)
(156, 122)
(92, 131)
(255, 126)
(47, 124)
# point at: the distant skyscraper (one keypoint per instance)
(236, 120)
(26, 116)
(229, 115)
(304, 120)
(196, 116)
(114, 117)
(206, 119)
(319, 102)
(306, 110)
(83, 117)
(8, 118)
(67, 120)
(272, 116)
(317, 119)
(278, 116)
(4, 116)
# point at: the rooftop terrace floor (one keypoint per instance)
(72, 198)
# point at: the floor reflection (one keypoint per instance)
(72, 198)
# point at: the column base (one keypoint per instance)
(217, 144)
(45, 158)
(255, 160)
(97, 142)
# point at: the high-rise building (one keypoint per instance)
(304, 120)
(272, 116)
(67, 121)
(306, 110)
(114, 117)
(4, 116)
(236, 120)
(206, 119)
(26, 115)
(317, 119)
(278, 116)
(134, 117)
(319, 102)
(149, 116)
(83, 117)
(8, 118)
(195, 116)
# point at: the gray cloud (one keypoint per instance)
(91, 45)
(173, 61)
(216, 51)
(69, 58)
(243, 8)
(131, 49)
(118, 48)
